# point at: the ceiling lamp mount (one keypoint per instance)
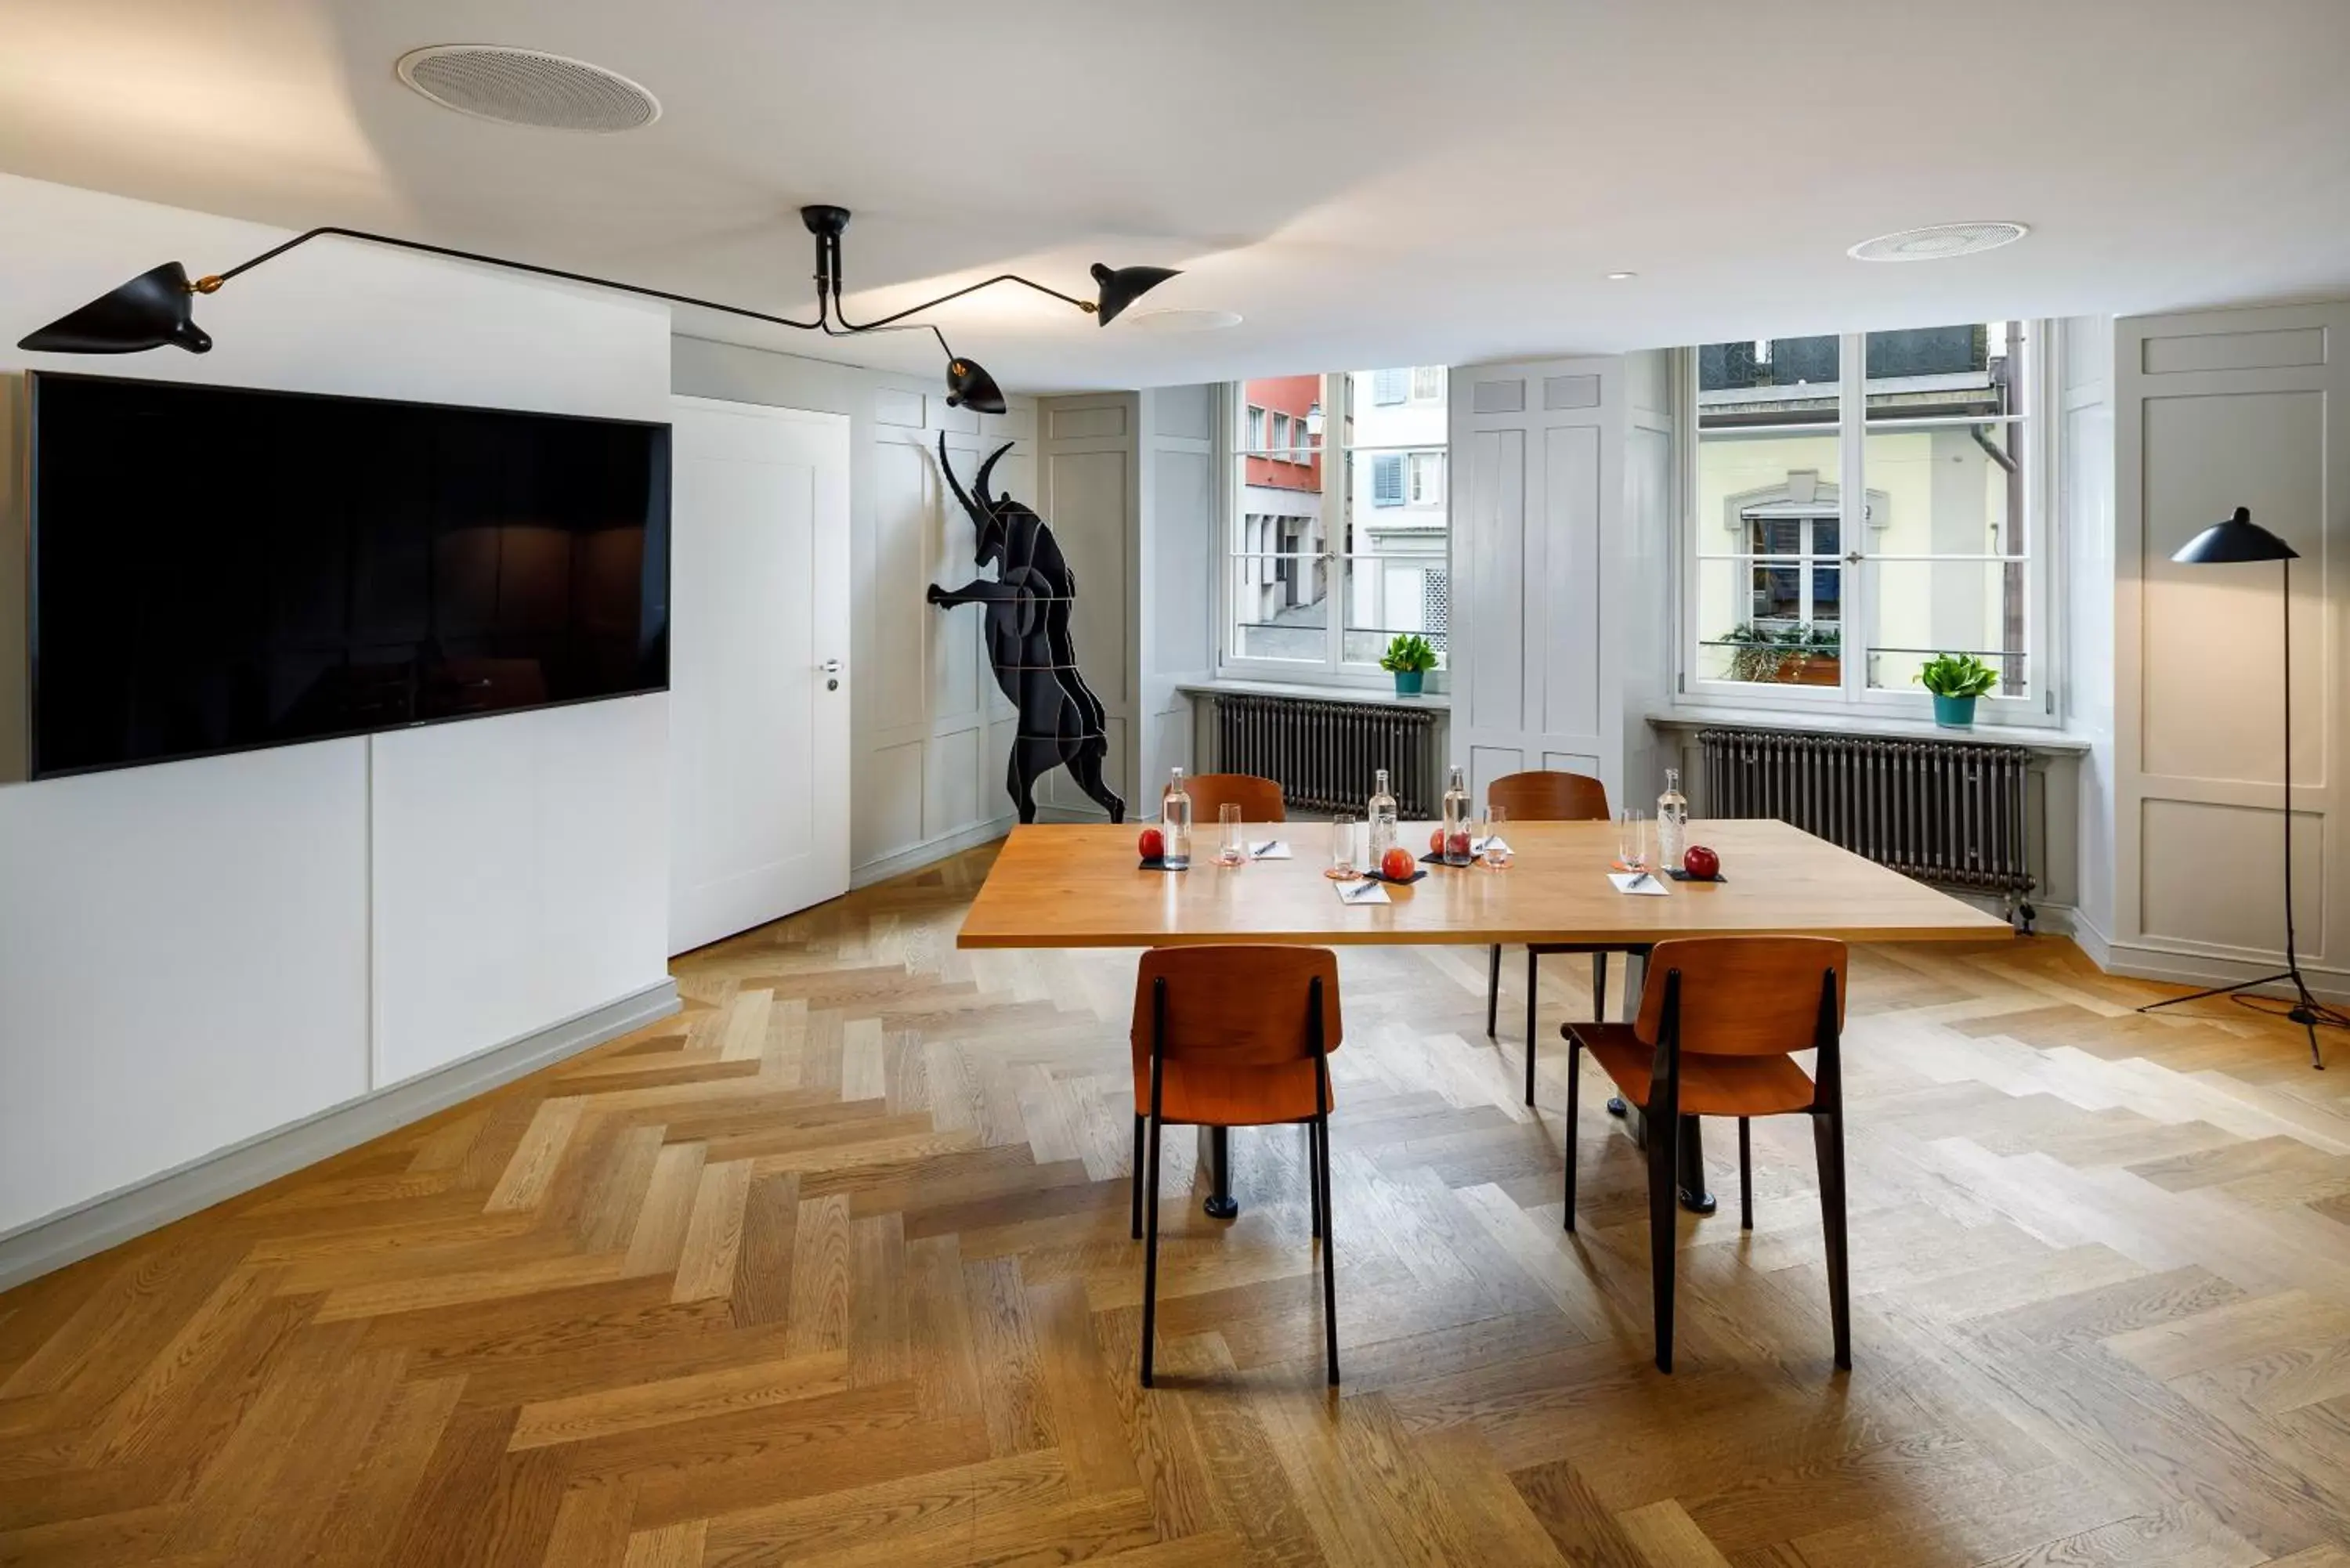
(157, 307)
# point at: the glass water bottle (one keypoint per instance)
(1175, 821)
(1457, 813)
(1672, 823)
(1379, 815)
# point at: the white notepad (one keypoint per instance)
(1363, 892)
(1495, 842)
(1269, 849)
(1650, 883)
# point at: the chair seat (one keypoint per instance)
(1711, 1086)
(1205, 1096)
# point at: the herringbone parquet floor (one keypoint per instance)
(833, 1269)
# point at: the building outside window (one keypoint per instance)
(1373, 542)
(1282, 450)
(1793, 594)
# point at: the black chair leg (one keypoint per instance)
(1827, 1138)
(1574, 1106)
(1150, 1258)
(1138, 1119)
(1598, 988)
(1329, 1257)
(1745, 1176)
(1664, 1133)
(1492, 990)
(1533, 961)
(1313, 1172)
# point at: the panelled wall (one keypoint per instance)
(197, 953)
(928, 728)
(2215, 411)
(1181, 554)
(2085, 505)
(1089, 479)
(1538, 493)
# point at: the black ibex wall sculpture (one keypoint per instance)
(1029, 603)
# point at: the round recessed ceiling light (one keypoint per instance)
(1938, 242)
(527, 86)
(1180, 320)
(1621, 277)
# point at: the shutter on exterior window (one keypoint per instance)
(1389, 386)
(1387, 480)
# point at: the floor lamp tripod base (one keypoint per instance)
(2305, 1011)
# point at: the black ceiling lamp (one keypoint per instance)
(2239, 541)
(157, 307)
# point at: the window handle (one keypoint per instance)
(1855, 558)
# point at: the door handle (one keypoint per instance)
(830, 667)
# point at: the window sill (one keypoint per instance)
(1314, 691)
(1695, 717)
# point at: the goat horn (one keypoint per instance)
(956, 485)
(986, 468)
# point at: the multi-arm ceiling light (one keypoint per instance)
(158, 307)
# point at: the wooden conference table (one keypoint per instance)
(1077, 885)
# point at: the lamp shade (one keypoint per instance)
(969, 385)
(1121, 287)
(2238, 539)
(154, 308)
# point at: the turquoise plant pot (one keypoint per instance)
(1954, 713)
(1408, 681)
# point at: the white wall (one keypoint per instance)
(930, 730)
(2084, 507)
(1089, 474)
(1177, 625)
(2215, 411)
(1641, 599)
(1538, 498)
(194, 953)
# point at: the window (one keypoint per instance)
(1428, 383)
(1347, 543)
(1425, 470)
(1859, 504)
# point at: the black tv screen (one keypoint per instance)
(216, 569)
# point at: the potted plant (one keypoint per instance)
(1410, 657)
(1956, 679)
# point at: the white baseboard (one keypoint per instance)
(916, 856)
(2140, 961)
(114, 1217)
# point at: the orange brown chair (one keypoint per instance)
(1260, 799)
(1544, 794)
(1721, 1020)
(1233, 1036)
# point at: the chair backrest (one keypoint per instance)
(1743, 996)
(1238, 1006)
(1544, 794)
(1260, 799)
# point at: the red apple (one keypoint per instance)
(1457, 847)
(1436, 841)
(1702, 862)
(1153, 844)
(1396, 864)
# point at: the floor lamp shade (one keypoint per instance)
(154, 308)
(2238, 539)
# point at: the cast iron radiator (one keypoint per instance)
(1941, 811)
(1322, 753)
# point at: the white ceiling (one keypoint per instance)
(1368, 182)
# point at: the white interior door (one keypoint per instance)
(758, 666)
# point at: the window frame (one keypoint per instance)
(1335, 450)
(2043, 706)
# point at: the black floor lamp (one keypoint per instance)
(2239, 540)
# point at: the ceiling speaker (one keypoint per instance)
(1938, 242)
(526, 87)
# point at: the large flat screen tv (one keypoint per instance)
(216, 569)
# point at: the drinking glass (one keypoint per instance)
(1488, 831)
(1342, 847)
(1632, 839)
(1230, 851)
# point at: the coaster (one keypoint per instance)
(1394, 881)
(1435, 859)
(1158, 866)
(1684, 877)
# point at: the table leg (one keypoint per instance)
(1636, 979)
(1216, 1159)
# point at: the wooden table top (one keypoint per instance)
(1077, 885)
